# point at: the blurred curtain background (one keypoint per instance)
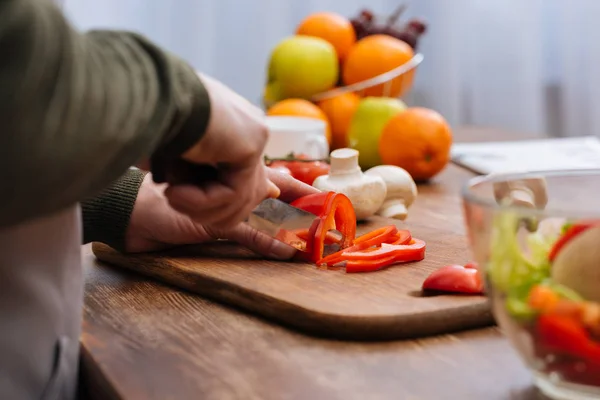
(520, 65)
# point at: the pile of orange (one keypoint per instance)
(359, 61)
(417, 139)
(364, 59)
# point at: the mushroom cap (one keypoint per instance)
(527, 192)
(399, 183)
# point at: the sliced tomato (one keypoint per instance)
(281, 168)
(455, 278)
(569, 234)
(305, 171)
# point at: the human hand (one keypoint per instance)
(154, 225)
(233, 143)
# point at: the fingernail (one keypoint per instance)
(281, 251)
(273, 190)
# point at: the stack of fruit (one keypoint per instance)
(328, 51)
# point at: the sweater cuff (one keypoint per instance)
(106, 216)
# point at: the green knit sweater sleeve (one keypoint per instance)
(78, 109)
(106, 216)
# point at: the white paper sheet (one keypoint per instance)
(531, 155)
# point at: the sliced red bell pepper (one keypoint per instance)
(313, 203)
(402, 237)
(564, 334)
(373, 238)
(388, 254)
(400, 252)
(569, 234)
(369, 265)
(336, 213)
(455, 278)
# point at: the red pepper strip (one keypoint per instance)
(336, 212)
(573, 231)
(331, 238)
(377, 236)
(339, 215)
(565, 335)
(401, 252)
(314, 203)
(402, 237)
(369, 266)
(455, 278)
(373, 238)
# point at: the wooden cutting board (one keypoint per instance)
(381, 305)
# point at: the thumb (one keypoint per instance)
(259, 242)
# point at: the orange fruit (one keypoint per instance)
(375, 55)
(301, 108)
(339, 111)
(331, 27)
(418, 140)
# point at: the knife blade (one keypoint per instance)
(282, 221)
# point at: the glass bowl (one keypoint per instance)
(536, 239)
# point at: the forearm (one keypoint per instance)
(106, 216)
(78, 109)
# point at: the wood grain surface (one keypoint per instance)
(382, 305)
(145, 340)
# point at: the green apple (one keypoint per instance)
(372, 114)
(301, 66)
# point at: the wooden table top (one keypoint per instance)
(145, 340)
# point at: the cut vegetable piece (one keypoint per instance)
(400, 252)
(566, 336)
(455, 278)
(572, 231)
(373, 238)
(369, 265)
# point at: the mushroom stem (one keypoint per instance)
(393, 208)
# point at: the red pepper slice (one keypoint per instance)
(571, 232)
(402, 237)
(313, 203)
(566, 335)
(373, 238)
(373, 260)
(455, 278)
(400, 252)
(336, 213)
(369, 266)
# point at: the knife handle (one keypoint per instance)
(178, 172)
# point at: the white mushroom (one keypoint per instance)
(528, 192)
(401, 190)
(366, 193)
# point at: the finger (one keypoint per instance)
(203, 204)
(258, 242)
(273, 190)
(290, 188)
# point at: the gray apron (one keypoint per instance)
(41, 294)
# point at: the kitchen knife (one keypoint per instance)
(281, 221)
(272, 217)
